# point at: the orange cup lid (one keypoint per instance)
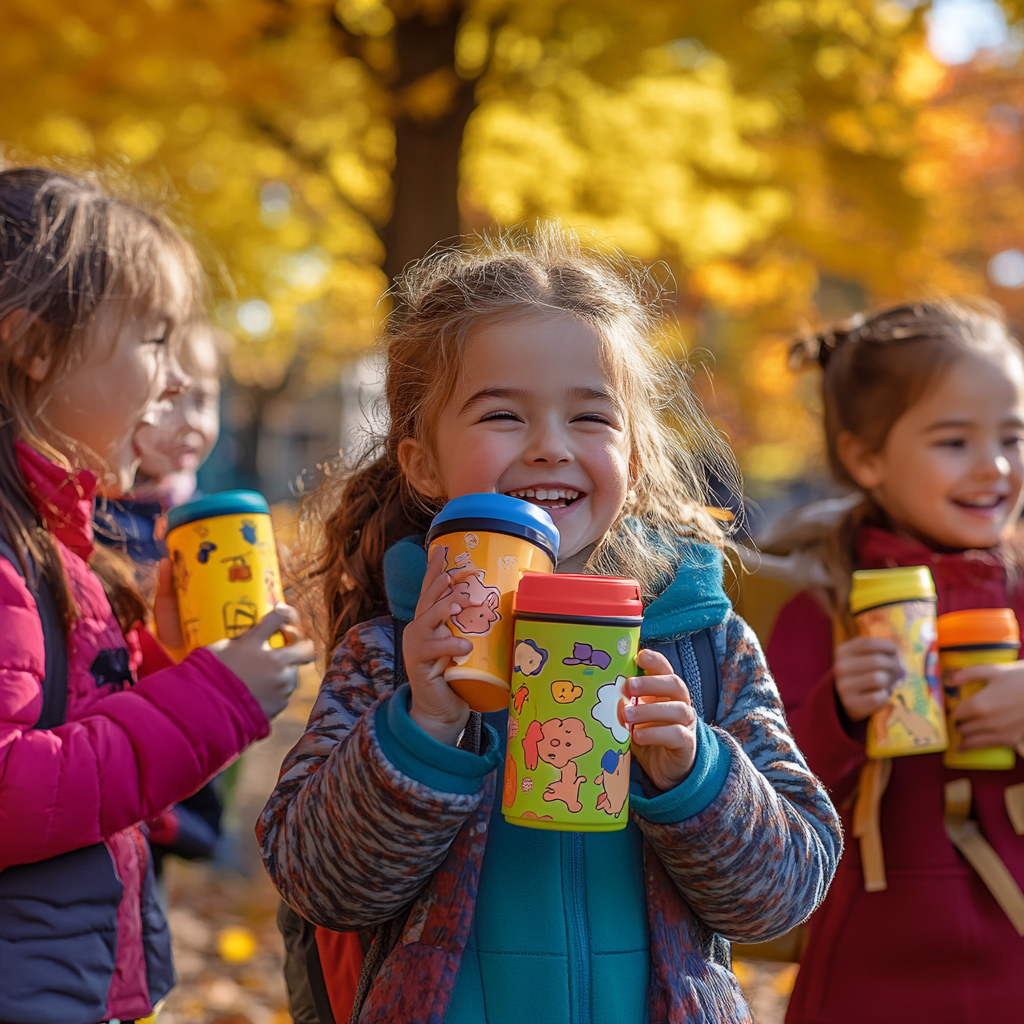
(976, 627)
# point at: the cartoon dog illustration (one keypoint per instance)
(529, 658)
(615, 780)
(559, 741)
(923, 732)
(479, 603)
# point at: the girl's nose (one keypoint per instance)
(993, 465)
(548, 446)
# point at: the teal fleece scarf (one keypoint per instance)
(693, 599)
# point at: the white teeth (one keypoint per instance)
(547, 493)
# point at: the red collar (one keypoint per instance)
(880, 549)
(963, 579)
(64, 499)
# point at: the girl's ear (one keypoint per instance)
(28, 339)
(863, 465)
(417, 465)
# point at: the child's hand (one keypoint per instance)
(271, 673)
(165, 610)
(993, 717)
(663, 723)
(866, 670)
(427, 648)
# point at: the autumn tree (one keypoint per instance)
(751, 145)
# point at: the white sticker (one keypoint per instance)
(471, 540)
(622, 646)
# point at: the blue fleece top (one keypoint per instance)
(560, 919)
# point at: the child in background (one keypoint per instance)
(172, 444)
(512, 368)
(98, 731)
(924, 415)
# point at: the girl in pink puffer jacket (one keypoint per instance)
(98, 728)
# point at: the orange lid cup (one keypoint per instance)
(978, 627)
(578, 597)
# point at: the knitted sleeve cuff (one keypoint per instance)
(426, 760)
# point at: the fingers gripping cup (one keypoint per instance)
(978, 636)
(489, 541)
(224, 562)
(567, 765)
(899, 604)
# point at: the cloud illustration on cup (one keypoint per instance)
(606, 710)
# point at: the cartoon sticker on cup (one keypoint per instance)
(489, 542)
(529, 659)
(559, 742)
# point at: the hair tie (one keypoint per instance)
(821, 346)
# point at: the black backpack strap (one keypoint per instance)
(694, 658)
(398, 628)
(55, 644)
(709, 667)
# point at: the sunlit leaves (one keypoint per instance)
(223, 106)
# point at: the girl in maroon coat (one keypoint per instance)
(924, 415)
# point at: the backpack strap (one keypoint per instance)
(55, 644)
(696, 660)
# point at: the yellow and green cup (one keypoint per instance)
(567, 761)
(976, 636)
(224, 563)
(899, 604)
(489, 541)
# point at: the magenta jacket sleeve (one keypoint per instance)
(131, 755)
(800, 657)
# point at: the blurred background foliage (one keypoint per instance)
(787, 160)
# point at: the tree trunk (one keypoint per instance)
(426, 176)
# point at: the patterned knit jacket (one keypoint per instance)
(350, 842)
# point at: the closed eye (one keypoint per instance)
(157, 334)
(591, 417)
(502, 414)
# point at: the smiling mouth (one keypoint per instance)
(548, 497)
(981, 504)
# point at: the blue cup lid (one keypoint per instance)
(225, 503)
(498, 513)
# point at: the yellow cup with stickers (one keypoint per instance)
(899, 604)
(224, 562)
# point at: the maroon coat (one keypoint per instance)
(934, 946)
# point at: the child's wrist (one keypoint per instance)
(442, 729)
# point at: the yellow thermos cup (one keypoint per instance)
(976, 636)
(899, 604)
(224, 562)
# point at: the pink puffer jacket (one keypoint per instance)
(127, 750)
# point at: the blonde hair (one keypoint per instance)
(439, 301)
